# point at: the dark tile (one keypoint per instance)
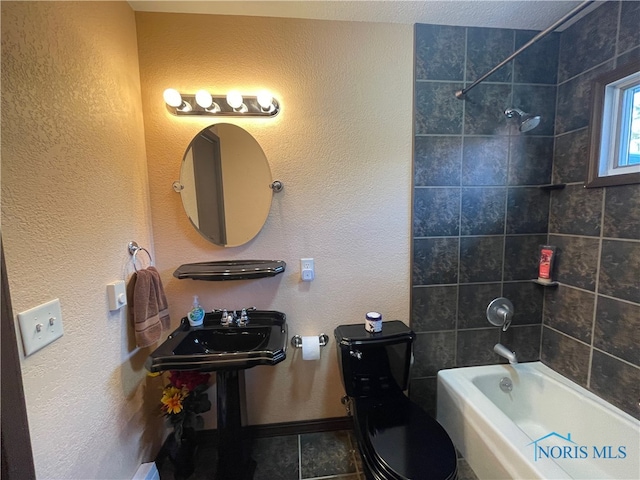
(435, 261)
(620, 270)
(527, 299)
(486, 47)
(622, 212)
(325, 453)
(574, 100)
(616, 382)
(484, 110)
(527, 210)
(576, 260)
(481, 259)
(472, 304)
(521, 256)
(482, 211)
(525, 341)
(437, 161)
(424, 392)
(484, 161)
(436, 212)
(629, 33)
(438, 111)
(571, 157)
(565, 355)
(589, 41)
(464, 471)
(433, 308)
(439, 52)
(631, 55)
(537, 100)
(539, 62)
(570, 311)
(576, 210)
(475, 347)
(433, 352)
(531, 160)
(618, 329)
(276, 458)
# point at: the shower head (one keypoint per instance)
(527, 120)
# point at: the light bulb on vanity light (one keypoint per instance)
(173, 98)
(265, 100)
(235, 100)
(205, 100)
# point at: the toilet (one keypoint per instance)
(397, 439)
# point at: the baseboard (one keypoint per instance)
(285, 428)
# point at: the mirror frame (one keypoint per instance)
(598, 87)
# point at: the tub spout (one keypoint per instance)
(506, 353)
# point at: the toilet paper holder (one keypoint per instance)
(296, 340)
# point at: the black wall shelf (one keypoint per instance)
(230, 270)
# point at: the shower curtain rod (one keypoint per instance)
(461, 93)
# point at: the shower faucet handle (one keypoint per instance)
(500, 313)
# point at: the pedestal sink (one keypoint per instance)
(226, 350)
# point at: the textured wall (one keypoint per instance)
(74, 193)
(591, 328)
(478, 213)
(342, 147)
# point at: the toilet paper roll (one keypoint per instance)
(310, 348)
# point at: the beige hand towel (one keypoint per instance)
(150, 310)
(163, 307)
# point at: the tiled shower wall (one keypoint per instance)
(591, 330)
(478, 216)
(478, 212)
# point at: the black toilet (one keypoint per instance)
(396, 438)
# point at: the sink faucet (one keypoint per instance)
(506, 353)
(228, 319)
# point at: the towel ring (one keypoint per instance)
(133, 251)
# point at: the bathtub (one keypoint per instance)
(546, 427)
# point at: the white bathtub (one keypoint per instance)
(502, 434)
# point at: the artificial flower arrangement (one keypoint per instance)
(184, 399)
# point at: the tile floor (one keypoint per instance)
(317, 456)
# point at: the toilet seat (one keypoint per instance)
(400, 441)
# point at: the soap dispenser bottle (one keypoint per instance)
(196, 315)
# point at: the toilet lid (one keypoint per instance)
(405, 441)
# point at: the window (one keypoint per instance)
(614, 156)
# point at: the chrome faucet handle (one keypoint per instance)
(244, 318)
(500, 313)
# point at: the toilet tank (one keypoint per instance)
(374, 364)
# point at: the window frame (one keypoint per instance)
(596, 137)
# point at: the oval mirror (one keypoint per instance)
(225, 185)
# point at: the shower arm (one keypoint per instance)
(460, 94)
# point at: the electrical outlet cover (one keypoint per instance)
(40, 326)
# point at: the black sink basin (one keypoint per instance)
(212, 346)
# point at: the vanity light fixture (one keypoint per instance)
(233, 104)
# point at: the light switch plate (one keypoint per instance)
(40, 326)
(117, 295)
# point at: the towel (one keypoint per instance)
(150, 309)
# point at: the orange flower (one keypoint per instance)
(172, 399)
